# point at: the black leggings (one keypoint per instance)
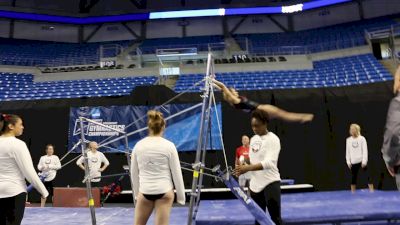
(12, 209)
(49, 187)
(355, 168)
(270, 197)
(95, 184)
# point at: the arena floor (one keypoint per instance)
(338, 207)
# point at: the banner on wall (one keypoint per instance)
(183, 126)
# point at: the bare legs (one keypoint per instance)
(162, 207)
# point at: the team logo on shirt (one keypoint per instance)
(47, 161)
(256, 145)
(94, 160)
(150, 163)
(354, 144)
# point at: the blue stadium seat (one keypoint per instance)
(21, 87)
(314, 40)
(31, 53)
(326, 73)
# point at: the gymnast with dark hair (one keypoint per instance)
(15, 166)
(264, 149)
(265, 178)
(240, 102)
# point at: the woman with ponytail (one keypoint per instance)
(155, 172)
(15, 166)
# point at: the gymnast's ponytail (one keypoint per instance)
(155, 122)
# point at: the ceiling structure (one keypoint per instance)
(112, 7)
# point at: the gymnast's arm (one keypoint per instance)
(135, 173)
(105, 162)
(229, 95)
(79, 163)
(348, 162)
(24, 161)
(390, 149)
(176, 172)
(364, 149)
(40, 165)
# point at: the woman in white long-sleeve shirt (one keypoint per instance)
(155, 172)
(15, 166)
(357, 155)
(97, 163)
(48, 165)
(264, 151)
